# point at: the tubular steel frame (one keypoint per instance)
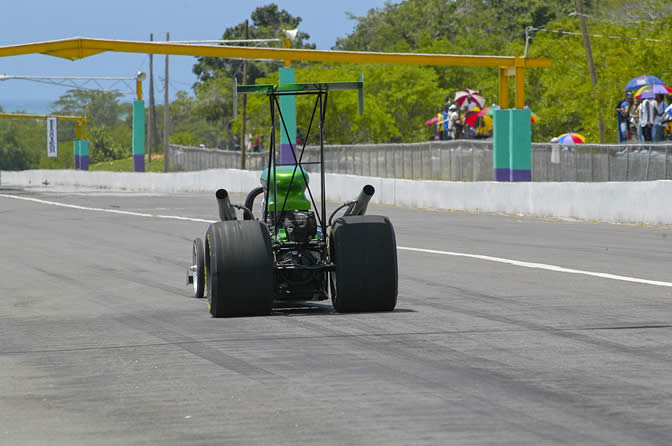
(321, 102)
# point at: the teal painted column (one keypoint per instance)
(512, 145)
(84, 154)
(520, 145)
(138, 136)
(75, 145)
(500, 145)
(288, 109)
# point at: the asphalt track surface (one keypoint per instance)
(102, 343)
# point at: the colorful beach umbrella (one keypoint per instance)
(650, 91)
(571, 138)
(463, 97)
(490, 111)
(471, 116)
(642, 80)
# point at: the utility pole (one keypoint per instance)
(150, 118)
(166, 149)
(589, 59)
(527, 40)
(243, 146)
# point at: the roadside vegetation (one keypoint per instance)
(628, 39)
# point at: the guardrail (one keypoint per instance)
(462, 160)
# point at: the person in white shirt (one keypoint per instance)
(646, 110)
(659, 107)
(453, 117)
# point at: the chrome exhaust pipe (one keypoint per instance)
(226, 211)
(362, 201)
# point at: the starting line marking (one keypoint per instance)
(519, 263)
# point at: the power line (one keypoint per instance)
(596, 19)
(80, 82)
(570, 33)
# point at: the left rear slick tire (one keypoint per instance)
(198, 260)
(239, 268)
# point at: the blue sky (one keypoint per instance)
(40, 20)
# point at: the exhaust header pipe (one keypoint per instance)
(362, 201)
(226, 211)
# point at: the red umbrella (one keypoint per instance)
(434, 120)
(463, 97)
(471, 116)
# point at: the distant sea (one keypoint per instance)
(37, 107)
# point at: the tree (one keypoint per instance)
(100, 107)
(190, 126)
(268, 22)
(21, 142)
(397, 101)
(103, 146)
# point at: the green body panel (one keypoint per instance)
(296, 199)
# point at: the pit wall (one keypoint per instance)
(648, 202)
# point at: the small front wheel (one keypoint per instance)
(198, 268)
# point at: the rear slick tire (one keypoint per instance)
(364, 253)
(239, 268)
(198, 260)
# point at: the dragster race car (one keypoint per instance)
(290, 251)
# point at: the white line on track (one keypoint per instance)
(520, 263)
(109, 211)
(559, 269)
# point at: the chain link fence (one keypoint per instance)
(462, 160)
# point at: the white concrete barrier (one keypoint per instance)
(647, 202)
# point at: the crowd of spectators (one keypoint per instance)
(450, 122)
(643, 119)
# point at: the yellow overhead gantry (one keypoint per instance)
(80, 47)
(80, 120)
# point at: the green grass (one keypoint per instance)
(126, 165)
(65, 158)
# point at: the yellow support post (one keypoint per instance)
(138, 89)
(520, 87)
(503, 87)
(520, 82)
(286, 43)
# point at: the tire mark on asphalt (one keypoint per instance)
(150, 326)
(194, 346)
(532, 326)
(487, 372)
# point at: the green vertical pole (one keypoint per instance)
(288, 109)
(500, 145)
(520, 144)
(76, 151)
(138, 136)
(84, 154)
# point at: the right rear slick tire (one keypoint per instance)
(364, 252)
(239, 268)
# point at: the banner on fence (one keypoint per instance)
(52, 137)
